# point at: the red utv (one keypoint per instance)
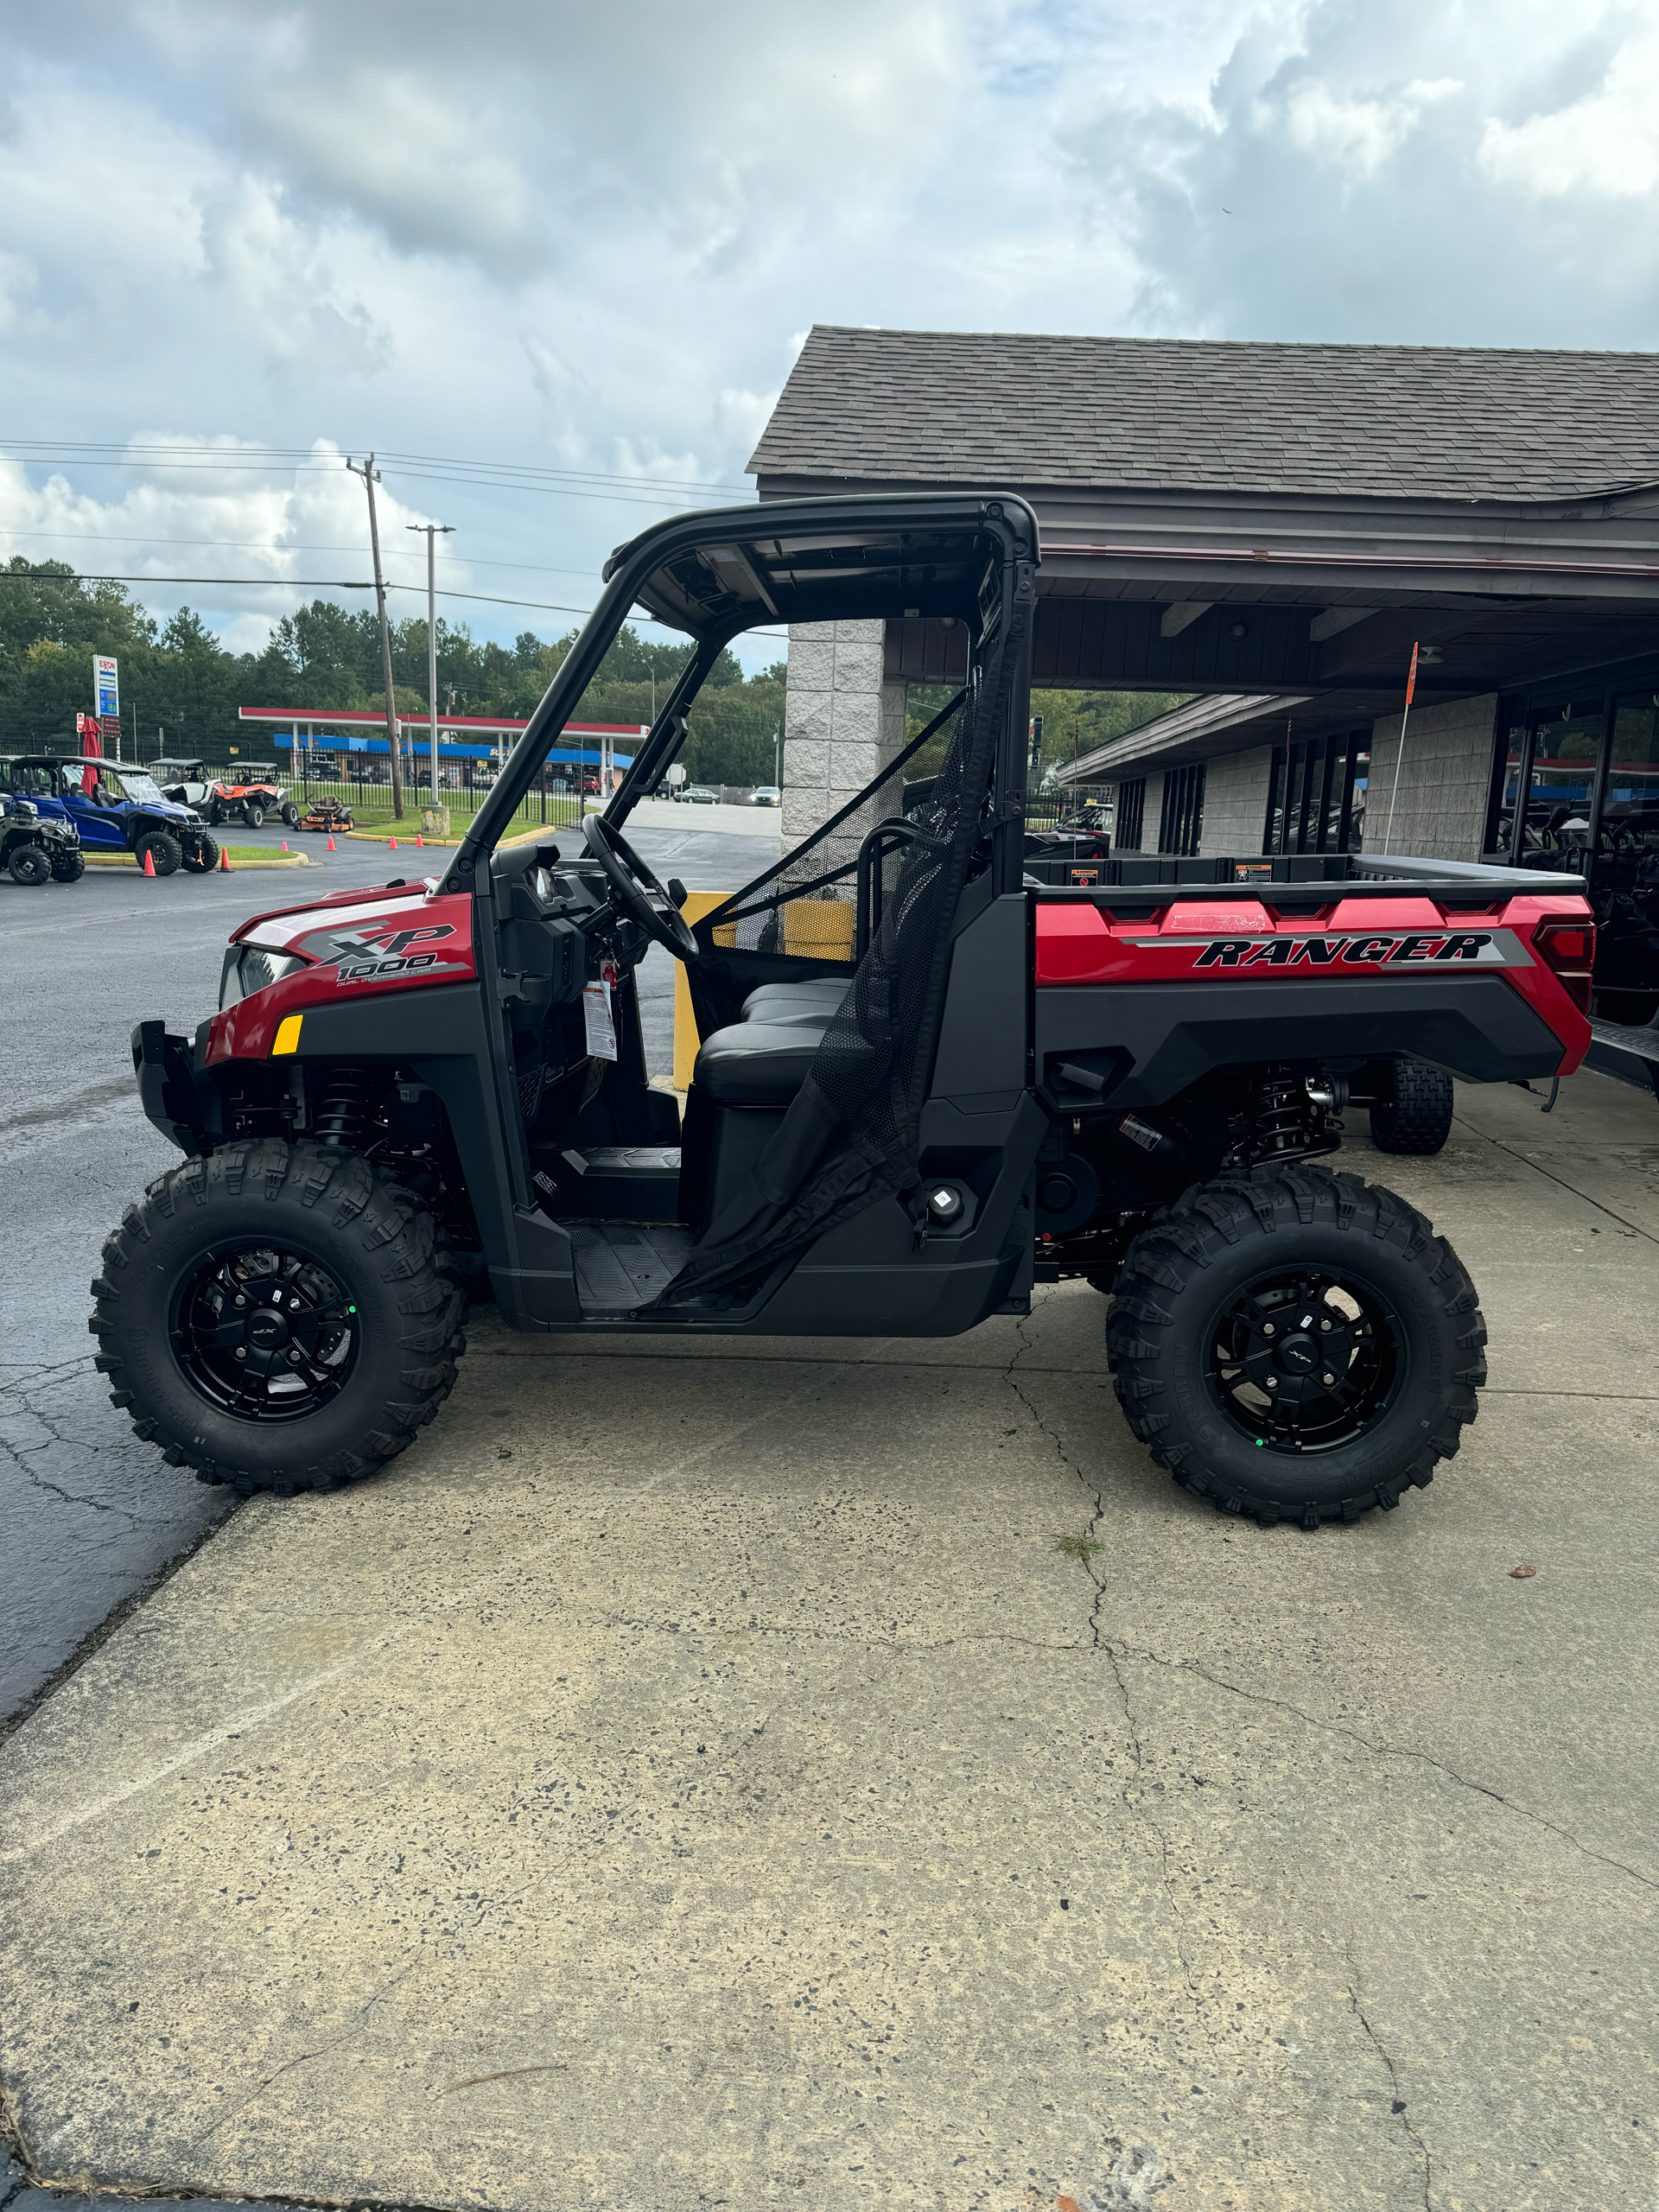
(924, 1085)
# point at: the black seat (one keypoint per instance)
(757, 1063)
(790, 1005)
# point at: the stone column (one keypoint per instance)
(843, 720)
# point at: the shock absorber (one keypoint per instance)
(343, 1110)
(1281, 1114)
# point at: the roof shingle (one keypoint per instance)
(954, 407)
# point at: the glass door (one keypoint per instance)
(1563, 770)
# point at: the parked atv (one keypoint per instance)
(33, 848)
(895, 1129)
(185, 780)
(114, 809)
(253, 792)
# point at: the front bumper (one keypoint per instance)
(182, 1108)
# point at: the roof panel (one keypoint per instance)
(1177, 413)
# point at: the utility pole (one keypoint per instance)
(371, 476)
(434, 532)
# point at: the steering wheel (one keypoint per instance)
(636, 891)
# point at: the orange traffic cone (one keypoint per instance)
(394, 844)
(331, 844)
(149, 861)
(224, 860)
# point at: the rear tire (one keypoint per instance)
(1406, 1373)
(223, 1219)
(68, 867)
(291, 814)
(1416, 1117)
(29, 866)
(164, 851)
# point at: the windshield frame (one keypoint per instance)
(642, 571)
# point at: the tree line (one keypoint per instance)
(178, 680)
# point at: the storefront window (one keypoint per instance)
(1627, 842)
(1501, 831)
(1561, 785)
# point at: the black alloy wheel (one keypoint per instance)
(28, 865)
(263, 1332)
(1304, 1359)
(1295, 1344)
(278, 1316)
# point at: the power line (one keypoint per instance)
(274, 545)
(329, 583)
(251, 450)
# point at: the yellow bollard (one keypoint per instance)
(686, 1039)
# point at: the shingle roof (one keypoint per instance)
(993, 407)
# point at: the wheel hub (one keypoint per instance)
(1304, 1361)
(263, 1332)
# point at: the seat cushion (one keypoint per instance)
(814, 999)
(756, 1064)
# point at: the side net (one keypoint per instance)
(849, 1135)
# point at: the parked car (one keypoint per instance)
(766, 795)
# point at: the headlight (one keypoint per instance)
(250, 968)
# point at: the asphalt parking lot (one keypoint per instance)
(847, 1774)
(89, 1513)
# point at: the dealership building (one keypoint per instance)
(1274, 530)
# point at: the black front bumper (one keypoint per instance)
(167, 1088)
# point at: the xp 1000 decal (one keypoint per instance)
(379, 950)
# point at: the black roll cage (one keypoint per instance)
(708, 575)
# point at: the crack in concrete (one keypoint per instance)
(305, 2057)
(1132, 1793)
(1398, 2103)
(1398, 1751)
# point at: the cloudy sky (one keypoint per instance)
(555, 261)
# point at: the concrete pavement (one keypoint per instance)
(847, 1774)
(89, 1513)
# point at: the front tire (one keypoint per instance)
(164, 851)
(68, 867)
(1416, 1117)
(202, 854)
(1217, 1374)
(29, 866)
(274, 1317)
(253, 815)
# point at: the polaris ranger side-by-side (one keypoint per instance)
(901, 1116)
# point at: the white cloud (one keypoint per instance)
(1603, 144)
(594, 238)
(1358, 135)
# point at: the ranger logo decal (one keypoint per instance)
(1418, 949)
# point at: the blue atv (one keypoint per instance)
(115, 808)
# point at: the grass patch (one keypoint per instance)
(1082, 1548)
